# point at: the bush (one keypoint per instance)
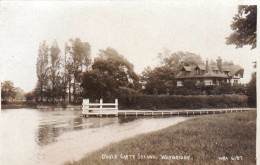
(184, 102)
(64, 104)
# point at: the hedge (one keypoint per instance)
(182, 102)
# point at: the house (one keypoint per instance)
(211, 74)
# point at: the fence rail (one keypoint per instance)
(99, 108)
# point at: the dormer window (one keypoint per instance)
(226, 73)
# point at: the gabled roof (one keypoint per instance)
(235, 69)
(201, 67)
(191, 71)
(186, 68)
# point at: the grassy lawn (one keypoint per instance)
(204, 139)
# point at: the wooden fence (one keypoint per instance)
(100, 108)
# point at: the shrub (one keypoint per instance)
(185, 102)
(64, 104)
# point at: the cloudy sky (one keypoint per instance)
(137, 30)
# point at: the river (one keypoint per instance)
(53, 136)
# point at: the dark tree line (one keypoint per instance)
(74, 76)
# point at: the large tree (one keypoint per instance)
(7, 90)
(55, 76)
(161, 79)
(42, 70)
(110, 72)
(78, 61)
(177, 59)
(244, 27)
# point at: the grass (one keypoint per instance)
(204, 139)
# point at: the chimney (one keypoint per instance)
(207, 66)
(219, 64)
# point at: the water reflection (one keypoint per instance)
(39, 136)
(56, 122)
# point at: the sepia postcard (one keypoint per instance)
(128, 82)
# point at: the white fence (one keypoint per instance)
(99, 108)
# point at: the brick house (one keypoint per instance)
(211, 74)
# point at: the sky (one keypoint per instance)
(139, 30)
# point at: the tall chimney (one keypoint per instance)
(207, 66)
(219, 64)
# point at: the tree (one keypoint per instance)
(111, 62)
(251, 91)
(175, 60)
(161, 80)
(7, 90)
(110, 71)
(19, 94)
(244, 27)
(42, 69)
(55, 77)
(78, 61)
(29, 96)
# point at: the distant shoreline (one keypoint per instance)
(18, 105)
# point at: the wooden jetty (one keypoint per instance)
(111, 109)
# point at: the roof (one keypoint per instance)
(186, 68)
(235, 69)
(201, 67)
(191, 71)
(212, 74)
(225, 68)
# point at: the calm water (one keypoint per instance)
(53, 136)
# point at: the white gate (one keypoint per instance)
(99, 108)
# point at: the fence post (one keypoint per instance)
(101, 106)
(83, 106)
(116, 105)
(87, 106)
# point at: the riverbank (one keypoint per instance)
(212, 139)
(18, 105)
